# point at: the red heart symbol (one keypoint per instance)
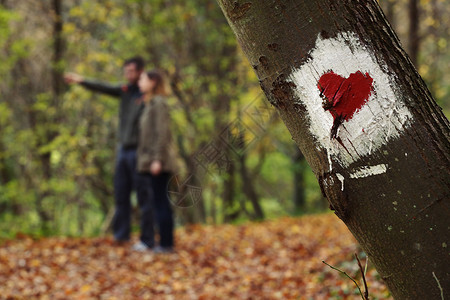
(344, 96)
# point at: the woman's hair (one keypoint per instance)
(160, 87)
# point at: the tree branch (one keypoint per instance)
(342, 272)
(363, 274)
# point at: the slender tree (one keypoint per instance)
(388, 7)
(366, 123)
(414, 39)
(299, 181)
(57, 89)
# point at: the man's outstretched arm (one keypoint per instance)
(73, 78)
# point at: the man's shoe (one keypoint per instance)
(141, 247)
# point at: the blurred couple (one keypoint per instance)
(146, 157)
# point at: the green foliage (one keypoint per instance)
(433, 27)
(57, 151)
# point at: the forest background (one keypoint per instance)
(58, 144)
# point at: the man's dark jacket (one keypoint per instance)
(131, 108)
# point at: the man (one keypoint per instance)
(125, 177)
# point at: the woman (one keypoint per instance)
(156, 160)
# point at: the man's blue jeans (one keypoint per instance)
(126, 179)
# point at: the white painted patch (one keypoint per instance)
(379, 121)
(330, 162)
(341, 179)
(369, 171)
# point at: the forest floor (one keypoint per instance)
(276, 259)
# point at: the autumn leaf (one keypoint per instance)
(279, 259)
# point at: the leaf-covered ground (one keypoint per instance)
(279, 259)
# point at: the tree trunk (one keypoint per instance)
(57, 86)
(366, 123)
(435, 73)
(230, 213)
(248, 186)
(389, 10)
(299, 182)
(58, 49)
(414, 39)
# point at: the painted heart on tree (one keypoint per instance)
(344, 96)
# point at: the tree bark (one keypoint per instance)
(384, 163)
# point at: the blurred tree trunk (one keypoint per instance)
(383, 162)
(102, 191)
(200, 212)
(299, 181)
(248, 186)
(435, 73)
(248, 182)
(5, 174)
(230, 213)
(389, 9)
(414, 38)
(57, 90)
(221, 109)
(4, 3)
(58, 51)
(190, 216)
(57, 81)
